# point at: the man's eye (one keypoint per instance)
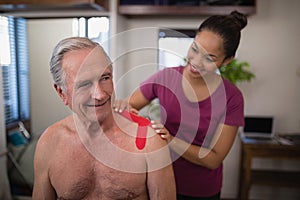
(105, 78)
(86, 84)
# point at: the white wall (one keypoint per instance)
(137, 59)
(43, 35)
(4, 183)
(46, 106)
(269, 43)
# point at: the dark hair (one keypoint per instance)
(228, 27)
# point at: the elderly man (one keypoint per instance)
(95, 153)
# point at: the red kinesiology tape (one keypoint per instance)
(143, 123)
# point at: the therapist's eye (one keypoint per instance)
(209, 59)
(194, 49)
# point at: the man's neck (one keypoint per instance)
(94, 127)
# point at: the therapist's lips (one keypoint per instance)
(195, 69)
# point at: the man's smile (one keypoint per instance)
(98, 104)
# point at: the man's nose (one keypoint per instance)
(98, 92)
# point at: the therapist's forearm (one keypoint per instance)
(195, 154)
(137, 100)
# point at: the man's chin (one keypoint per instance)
(97, 117)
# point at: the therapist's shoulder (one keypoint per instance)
(231, 89)
(169, 73)
(171, 69)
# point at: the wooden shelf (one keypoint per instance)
(276, 178)
(10, 6)
(176, 10)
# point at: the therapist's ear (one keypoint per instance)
(61, 94)
(228, 60)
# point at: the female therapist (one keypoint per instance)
(200, 110)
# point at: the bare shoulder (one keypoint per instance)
(157, 152)
(154, 141)
(53, 133)
(149, 142)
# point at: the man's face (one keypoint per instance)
(89, 84)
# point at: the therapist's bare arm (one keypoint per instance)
(210, 157)
(136, 101)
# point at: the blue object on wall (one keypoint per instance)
(16, 138)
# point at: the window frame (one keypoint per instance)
(18, 72)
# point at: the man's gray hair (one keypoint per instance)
(63, 47)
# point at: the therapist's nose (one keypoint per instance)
(197, 61)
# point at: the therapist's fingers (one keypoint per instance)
(134, 111)
(120, 104)
(156, 125)
(161, 130)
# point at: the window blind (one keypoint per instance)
(23, 67)
(15, 74)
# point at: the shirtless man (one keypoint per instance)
(92, 154)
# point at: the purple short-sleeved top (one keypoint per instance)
(194, 122)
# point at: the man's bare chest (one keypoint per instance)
(77, 175)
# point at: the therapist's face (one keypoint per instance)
(206, 53)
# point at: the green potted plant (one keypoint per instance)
(235, 71)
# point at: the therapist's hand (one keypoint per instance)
(161, 130)
(122, 104)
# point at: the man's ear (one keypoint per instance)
(228, 60)
(61, 94)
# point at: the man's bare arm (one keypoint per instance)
(160, 177)
(42, 186)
